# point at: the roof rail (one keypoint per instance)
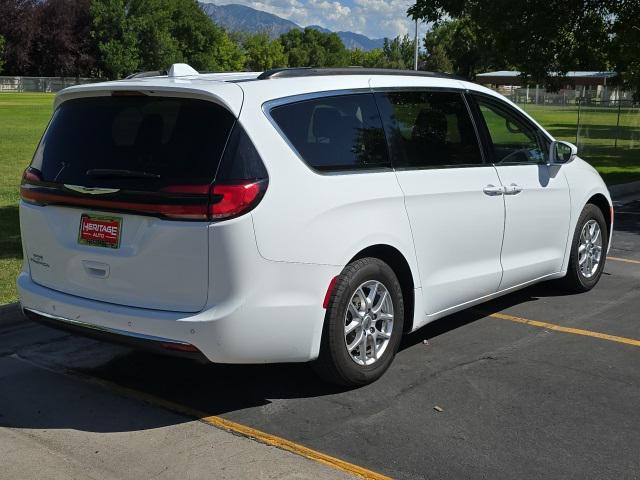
(320, 72)
(155, 73)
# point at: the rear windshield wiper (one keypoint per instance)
(114, 172)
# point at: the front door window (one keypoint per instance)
(513, 139)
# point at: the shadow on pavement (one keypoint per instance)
(219, 389)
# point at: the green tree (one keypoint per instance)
(2, 43)
(152, 34)
(436, 60)
(396, 53)
(399, 53)
(263, 53)
(115, 34)
(537, 37)
(374, 58)
(624, 52)
(455, 46)
(312, 48)
(371, 58)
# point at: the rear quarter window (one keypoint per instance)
(335, 133)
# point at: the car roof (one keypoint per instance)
(232, 89)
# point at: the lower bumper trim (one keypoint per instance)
(135, 340)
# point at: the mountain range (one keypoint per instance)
(240, 18)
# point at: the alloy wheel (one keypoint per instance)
(590, 249)
(368, 322)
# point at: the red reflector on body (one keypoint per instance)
(327, 295)
(179, 347)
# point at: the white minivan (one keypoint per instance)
(296, 215)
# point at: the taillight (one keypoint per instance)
(229, 201)
(31, 175)
(224, 201)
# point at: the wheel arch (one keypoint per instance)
(399, 264)
(600, 201)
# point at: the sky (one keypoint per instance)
(373, 18)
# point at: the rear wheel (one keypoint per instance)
(363, 324)
(588, 251)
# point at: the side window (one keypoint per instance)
(513, 139)
(335, 133)
(429, 129)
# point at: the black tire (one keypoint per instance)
(575, 281)
(335, 364)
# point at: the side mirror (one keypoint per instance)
(562, 152)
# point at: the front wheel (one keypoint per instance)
(363, 324)
(588, 251)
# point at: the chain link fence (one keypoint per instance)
(40, 84)
(604, 124)
(616, 123)
(564, 97)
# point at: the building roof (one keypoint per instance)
(571, 74)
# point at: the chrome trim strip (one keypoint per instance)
(115, 331)
(91, 190)
(276, 102)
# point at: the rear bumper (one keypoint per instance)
(138, 341)
(273, 315)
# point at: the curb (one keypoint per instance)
(624, 189)
(10, 315)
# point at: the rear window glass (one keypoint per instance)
(335, 133)
(133, 142)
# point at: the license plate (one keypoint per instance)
(100, 231)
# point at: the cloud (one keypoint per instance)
(374, 18)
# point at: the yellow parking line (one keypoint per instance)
(239, 429)
(560, 328)
(626, 260)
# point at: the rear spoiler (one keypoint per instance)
(226, 94)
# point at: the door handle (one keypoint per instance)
(512, 189)
(492, 190)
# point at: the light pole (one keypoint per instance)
(415, 59)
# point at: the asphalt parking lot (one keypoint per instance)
(537, 384)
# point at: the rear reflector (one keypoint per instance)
(327, 295)
(179, 347)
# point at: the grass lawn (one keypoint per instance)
(24, 116)
(596, 143)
